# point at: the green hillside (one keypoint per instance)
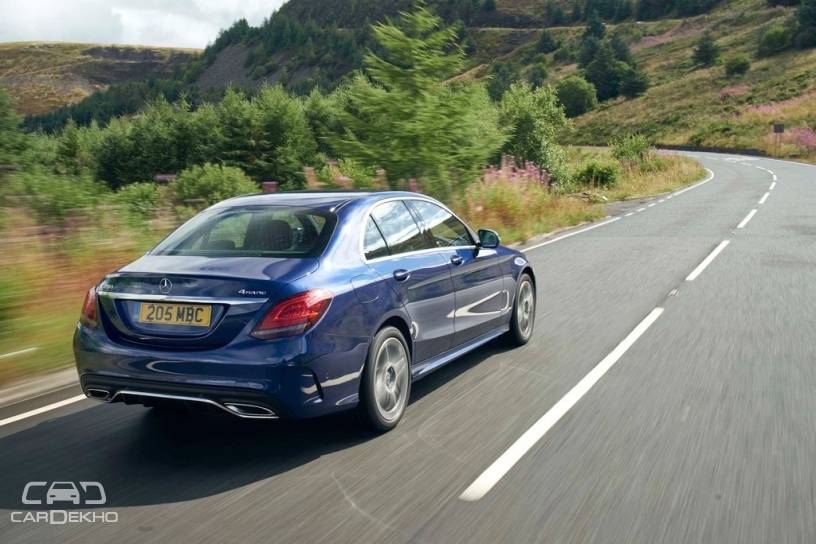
(42, 76)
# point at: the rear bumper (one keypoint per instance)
(252, 379)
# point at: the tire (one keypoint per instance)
(386, 382)
(522, 321)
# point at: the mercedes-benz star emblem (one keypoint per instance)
(165, 286)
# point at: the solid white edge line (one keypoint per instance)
(21, 352)
(707, 261)
(612, 220)
(41, 410)
(764, 198)
(771, 188)
(554, 240)
(747, 218)
(501, 466)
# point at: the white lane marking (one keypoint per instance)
(771, 188)
(629, 214)
(21, 352)
(558, 239)
(764, 198)
(652, 204)
(774, 177)
(661, 201)
(42, 410)
(747, 218)
(707, 261)
(709, 178)
(669, 197)
(501, 466)
(554, 240)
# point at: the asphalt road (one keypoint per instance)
(698, 427)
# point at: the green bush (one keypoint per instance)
(51, 197)
(139, 199)
(737, 65)
(212, 183)
(774, 40)
(577, 95)
(598, 174)
(630, 149)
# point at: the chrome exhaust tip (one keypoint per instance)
(250, 410)
(98, 394)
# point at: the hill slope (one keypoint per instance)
(42, 76)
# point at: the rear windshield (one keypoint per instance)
(252, 231)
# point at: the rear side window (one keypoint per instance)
(373, 243)
(398, 227)
(445, 229)
(251, 231)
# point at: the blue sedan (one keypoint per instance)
(302, 304)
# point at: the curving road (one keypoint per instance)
(668, 395)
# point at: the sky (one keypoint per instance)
(179, 23)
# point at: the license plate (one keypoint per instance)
(190, 315)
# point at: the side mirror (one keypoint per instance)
(489, 239)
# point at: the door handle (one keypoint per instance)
(401, 274)
(456, 260)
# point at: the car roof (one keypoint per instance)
(323, 200)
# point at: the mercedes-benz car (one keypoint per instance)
(301, 304)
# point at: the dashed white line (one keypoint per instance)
(641, 209)
(764, 198)
(774, 177)
(747, 218)
(629, 214)
(771, 188)
(501, 466)
(661, 201)
(707, 261)
(42, 410)
(20, 352)
(650, 205)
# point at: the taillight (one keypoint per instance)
(88, 316)
(294, 315)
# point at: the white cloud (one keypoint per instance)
(182, 23)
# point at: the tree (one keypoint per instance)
(12, 141)
(577, 95)
(651, 9)
(623, 10)
(489, 6)
(605, 73)
(774, 40)
(589, 48)
(806, 18)
(284, 143)
(620, 49)
(537, 75)
(533, 117)
(737, 65)
(634, 82)
(546, 43)
(595, 27)
(407, 116)
(706, 52)
(502, 75)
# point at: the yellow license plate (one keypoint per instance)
(190, 315)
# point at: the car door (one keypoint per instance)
(396, 249)
(481, 296)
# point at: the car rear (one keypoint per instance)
(215, 315)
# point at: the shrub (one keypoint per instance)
(577, 95)
(598, 174)
(51, 197)
(634, 82)
(737, 65)
(546, 43)
(631, 149)
(8, 301)
(212, 183)
(707, 51)
(774, 40)
(139, 199)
